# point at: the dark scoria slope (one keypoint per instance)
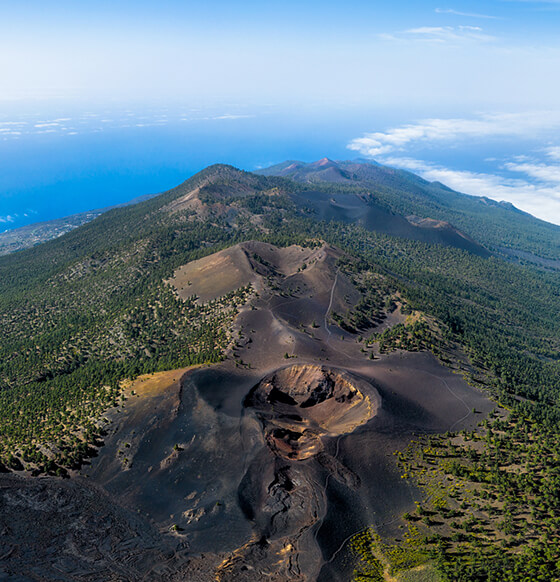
(498, 225)
(361, 209)
(211, 472)
(83, 311)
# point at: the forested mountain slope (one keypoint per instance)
(72, 304)
(86, 311)
(497, 225)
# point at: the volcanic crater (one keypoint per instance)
(300, 404)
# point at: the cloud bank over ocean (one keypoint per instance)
(530, 180)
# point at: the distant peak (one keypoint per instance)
(323, 162)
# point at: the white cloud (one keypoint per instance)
(553, 152)
(441, 35)
(489, 125)
(541, 172)
(536, 190)
(542, 201)
(91, 122)
(466, 14)
(232, 116)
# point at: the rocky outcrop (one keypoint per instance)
(283, 493)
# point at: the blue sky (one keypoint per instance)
(463, 92)
(470, 54)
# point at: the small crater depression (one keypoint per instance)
(301, 404)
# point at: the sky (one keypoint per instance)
(466, 93)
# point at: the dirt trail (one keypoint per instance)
(326, 323)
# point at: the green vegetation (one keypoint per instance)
(377, 297)
(494, 224)
(82, 312)
(54, 412)
(408, 561)
(411, 336)
(491, 501)
(497, 225)
(504, 315)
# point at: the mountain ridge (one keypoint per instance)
(494, 224)
(499, 226)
